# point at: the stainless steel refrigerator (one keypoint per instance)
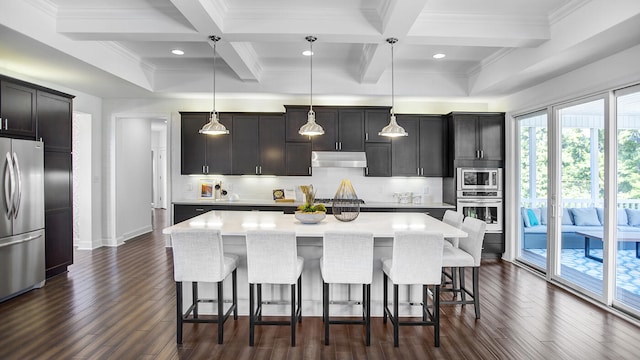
(22, 262)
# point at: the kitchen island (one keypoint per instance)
(186, 209)
(234, 224)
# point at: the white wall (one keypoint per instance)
(133, 178)
(82, 183)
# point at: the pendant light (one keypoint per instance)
(214, 127)
(393, 129)
(311, 128)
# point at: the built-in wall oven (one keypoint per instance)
(479, 195)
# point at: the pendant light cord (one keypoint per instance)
(392, 41)
(215, 40)
(311, 75)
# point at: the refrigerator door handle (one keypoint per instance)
(18, 197)
(8, 186)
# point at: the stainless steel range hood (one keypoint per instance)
(343, 159)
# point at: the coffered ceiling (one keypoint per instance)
(121, 48)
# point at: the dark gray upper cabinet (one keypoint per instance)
(378, 159)
(374, 121)
(204, 154)
(343, 127)
(433, 135)
(17, 110)
(328, 119)
(405, 160)
(54, 126)
(350, 130)
(254, 146)
(272, 145)
(295, 118)
(258, 146)
(298, 159)
(422, 152)
(245, 145)
(477, 136)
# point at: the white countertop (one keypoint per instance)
(236, 223)
(257, 202)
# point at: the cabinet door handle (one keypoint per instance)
(366, 136)
(481, 154)
(421, 171)
(309, 170)
(199, 209)
(257, 170)
(207, 169)
(340, 145)
(203, 170)
(260, 169)
(6, 123)
(366, 171)
(335, 146)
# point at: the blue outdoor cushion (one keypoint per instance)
(585, 217)
(533, 219)
(622, 216)
(634, 217)
(543, 216)
(566, 217)
(525, 217)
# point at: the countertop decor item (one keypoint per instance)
(346, 205)
(310, 217)
(310, 213)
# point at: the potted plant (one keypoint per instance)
(310, 213)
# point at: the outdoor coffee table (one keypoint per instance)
(597, 235)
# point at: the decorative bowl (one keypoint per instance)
(310, 217)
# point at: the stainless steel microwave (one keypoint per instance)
(479, 179)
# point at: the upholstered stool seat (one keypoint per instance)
(272, 258)
(416, 259)
(198, 256)
(467, 255)
(453, 218)
(347, 258)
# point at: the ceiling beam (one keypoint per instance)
(207, 18)
(397, 18)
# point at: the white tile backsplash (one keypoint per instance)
(324, 180)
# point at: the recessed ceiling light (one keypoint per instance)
(177, 52)
(307, 53)
(439, 56)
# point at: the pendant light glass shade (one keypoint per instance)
(393, 129)
(311, 128)
(214, 127)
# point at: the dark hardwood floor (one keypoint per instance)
(119, 303)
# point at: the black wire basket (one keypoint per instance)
(345, 205)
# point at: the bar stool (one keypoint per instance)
(272, 258)
(467, 254)
(198, 256)
(347, 258)
(416, 259)
(453, 218)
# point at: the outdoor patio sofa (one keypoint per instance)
(534, 226)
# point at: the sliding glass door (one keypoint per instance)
(579, 241)
(534, 180)
(579, 195)
(627, 273)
